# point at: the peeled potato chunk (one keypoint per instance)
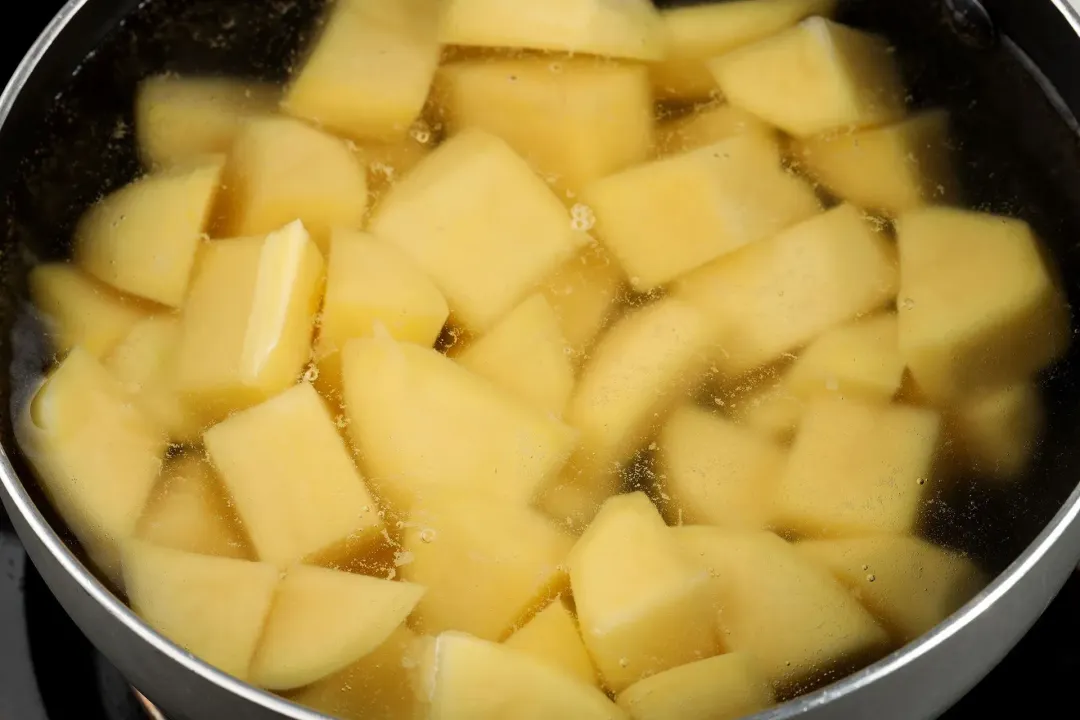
(372, 286)
(995, 432)
(858, 467)
(584, 294)
(415, 416)
(725, 687)
(477, 219)
(322, 621)
(670, 216)
(553, 637)
(189, 510)
(776, 295)
(575, 119)
(699, 33)
(979, 307)
(80, 311)
(97, 455)
(246, 328)
(281, 170)
(707, 126)
(143, 238)
(626, 29)
(790, 616)
(643, 607)
(771, 409)
(526, 355)
(891, 169)
(293, 480)
(212, 607)
(716, 473)
(815, 77)
(369, 73)
(180, 119)
(909, 584)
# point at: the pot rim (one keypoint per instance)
(21, 502)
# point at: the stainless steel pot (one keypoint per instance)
(1009, 76)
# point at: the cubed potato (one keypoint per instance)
(643, 607)
(293, 480)
(776, 295)
(797, 622)
(650, 360)
(891, 169)
(281, 170)
(212, 607)
(909, 584)
(180, 119)
(145, 364)
(369, 73)
(584, 293)
(97, 455)
(699, 33)
(80, 311)
(714, 472)
(189, 510)
(860, 359)
(322, 621)
(247, 326)
(372, 284)
(858, 467)
(706, 125)
(487, 564)
(995, 432)
(815, 77)
(770, 409)
(574, 119)
(143, 238)
(629, 29)
(979, 308)
(420, 422)
(553, 637)
(725, 687)
(670, 216)
(481, 223)
(525, 355)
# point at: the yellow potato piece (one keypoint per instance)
(96, 454)
(698, 33)
(553, 637)
(574, 119)
(323, 621)
(670, 216)
(858, 467)
(707, 125)
(248, 322)
(465, 678)
(372, 285)
(714, 472)
(584, 293)
(487, 564)
(909, 584)
(776, 295)
(143, 238)
(796, 622)
(180, 119)
(996, 432)
(979, 307)
(369, 73)
(623, 29)
(422, 422)
(212, 607)
(477, 219)
(643, 607)
(771, 409)
(281, 170)
(189, 510)
(891, 169)
(293, 480)
(526, 355)
(815, 77)
(80, 311)
(725, 687)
